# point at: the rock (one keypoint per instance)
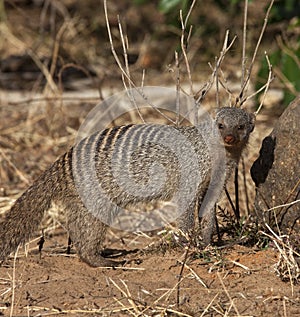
(276, 174)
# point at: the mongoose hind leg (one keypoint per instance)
(87, 234)
(186, 222)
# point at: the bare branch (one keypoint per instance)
(124, 41)
(125, 72)
(183, 48)
(217, 88)
(6, 32)
(244, 43)
(115, 55)
(177, 88)
(207, 86)
(249, 72)
(189, 13)
(125, 47)
(266, 86)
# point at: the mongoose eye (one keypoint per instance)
(220, 126)
(241, 127)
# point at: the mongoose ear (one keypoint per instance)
(252, 121)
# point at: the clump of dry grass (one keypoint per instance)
(287, 267)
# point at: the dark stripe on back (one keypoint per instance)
(109, 135)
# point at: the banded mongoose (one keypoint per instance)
(86, 231)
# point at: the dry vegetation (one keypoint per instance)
(56, 65)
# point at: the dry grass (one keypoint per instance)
(44, 128)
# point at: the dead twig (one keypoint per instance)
(184, 43)
(125, 71)
(18, 172)
(241, 99)
(270, 78)
(200, 95)
(244, 42)
(232, 304)
(181, 272)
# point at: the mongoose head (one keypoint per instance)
(235, 126)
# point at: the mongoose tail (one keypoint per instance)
(55, 185)
(27, 213)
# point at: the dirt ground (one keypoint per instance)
(235, 278)
(236, 281)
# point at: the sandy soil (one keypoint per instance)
(234, 281)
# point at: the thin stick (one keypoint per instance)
(240, 265)
(230, 202)
(258, 91)
(124, 72)
(287, 51)
(255, 53)
(180, 274)
(284, 205)
(129, 296)
(168, 293)
(278, 238)
(177, 89)
(126, 295)
(56, 47)
(52, 98)
(209, 305)
(227, 293)
(196, 275)
(18, 172)
(244, 42)
(267, 85)
(127, 70)
(245, 187)
(13, 283)
(183, 48)
(112, 48)
(204, 90)
(125, 47)
(236, 189)
(19, 44)
(183, 45)
(286, 82)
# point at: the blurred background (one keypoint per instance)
(64, 44)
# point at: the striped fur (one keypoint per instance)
(106, 154)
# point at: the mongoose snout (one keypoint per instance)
(229, 139)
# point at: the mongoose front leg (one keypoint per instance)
(207, 226)
(186, 222)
